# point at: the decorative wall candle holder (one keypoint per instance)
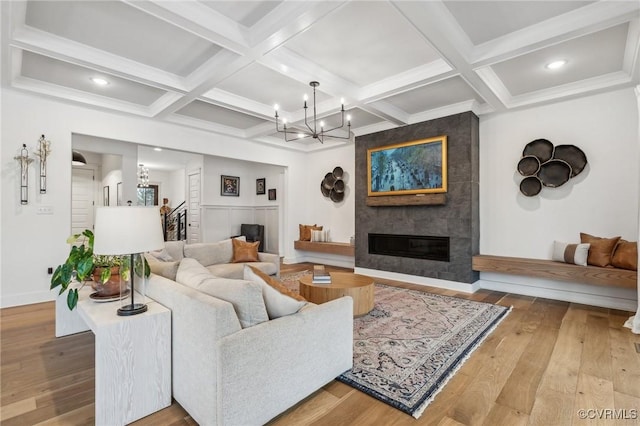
(24, 161)
(44, 150)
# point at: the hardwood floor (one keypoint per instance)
(546, 361)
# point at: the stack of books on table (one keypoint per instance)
(320, 276)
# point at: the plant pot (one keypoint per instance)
(111, 287)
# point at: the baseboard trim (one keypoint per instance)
(27, 298)
(414, 279)
(605, 297)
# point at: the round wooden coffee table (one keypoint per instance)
(359, 287)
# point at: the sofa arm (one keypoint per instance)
(266, 369)
(273, 258)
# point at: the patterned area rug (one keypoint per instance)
(409, 346)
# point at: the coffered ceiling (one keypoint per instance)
(221, 66)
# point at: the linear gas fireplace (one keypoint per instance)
(415, 246)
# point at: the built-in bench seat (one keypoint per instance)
(342, 249)
(552, 270)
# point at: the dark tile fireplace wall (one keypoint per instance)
(458, 219)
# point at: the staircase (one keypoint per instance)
(174, 223)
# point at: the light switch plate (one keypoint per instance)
(45, 210)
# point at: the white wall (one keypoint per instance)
(602, 200)
(176, 191)
(31, 242)
(111, 175)
(339, 218)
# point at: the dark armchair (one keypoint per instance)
(253, 232)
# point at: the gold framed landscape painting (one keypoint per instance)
(406, 168)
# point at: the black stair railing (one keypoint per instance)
(174, 223)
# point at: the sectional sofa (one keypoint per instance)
(248, 353)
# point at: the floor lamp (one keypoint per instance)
(128, 231)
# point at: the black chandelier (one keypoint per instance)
(314, 130)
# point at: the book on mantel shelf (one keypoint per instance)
(320, 275)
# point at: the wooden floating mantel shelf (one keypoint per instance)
(408, 200)
(342, 249)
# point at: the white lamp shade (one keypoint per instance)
(127, 230)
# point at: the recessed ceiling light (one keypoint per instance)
(99, 81)
(157, 148)
(556, 64)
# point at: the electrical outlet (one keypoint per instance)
(49, 270)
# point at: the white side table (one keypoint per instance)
(133, 360)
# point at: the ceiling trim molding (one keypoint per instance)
(631, 61)
(575, 89)
(452, 109)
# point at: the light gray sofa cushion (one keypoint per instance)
(175, 249)
(245, 296)
(236, 270)
(211, 253)
(277, 304)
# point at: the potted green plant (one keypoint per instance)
(81, 264)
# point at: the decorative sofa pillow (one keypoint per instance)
(278, 299)
(305, 231)
(245, 296)
(164, 269)
(320, 236)
(625, 255)
(600, 250)
(570, 253)
(244, 251)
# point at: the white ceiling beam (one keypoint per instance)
(199, 20)
(65, 50)
(79, 96)
(433, 20)
(582, 21)
(253, 54)
(239, 103)
(387, 112)
(571, 90)
(205, 125)
(405, 81)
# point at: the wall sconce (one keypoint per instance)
(44, 149)
(24, 161)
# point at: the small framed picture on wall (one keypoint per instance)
(230, 186)
(272, 194)
(260, 185)
(105, 196)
